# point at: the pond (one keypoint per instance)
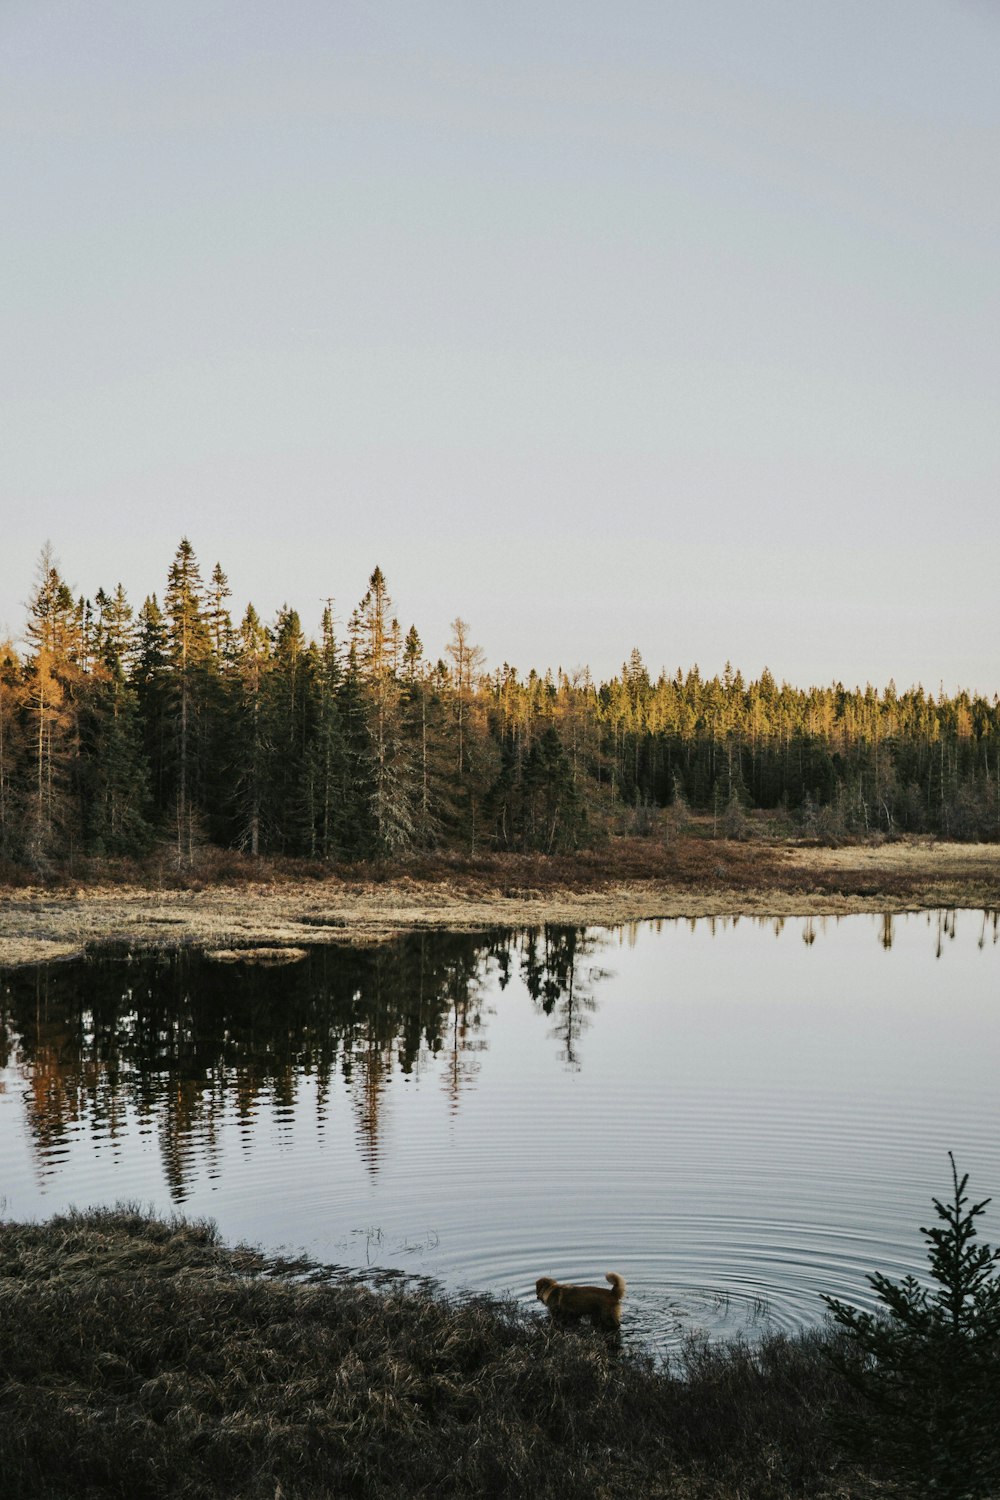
(736, 1115)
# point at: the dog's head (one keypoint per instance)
(544, 1287)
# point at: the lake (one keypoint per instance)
(736, 1115)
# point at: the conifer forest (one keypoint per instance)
(174, 726)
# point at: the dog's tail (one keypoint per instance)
(617, 1284)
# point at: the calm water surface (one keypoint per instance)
(735, 1115)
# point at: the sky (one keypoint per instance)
(671, 325)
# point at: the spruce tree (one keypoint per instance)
(150, 680)
(534, 802)
(189, 657)
(356, 811)
(117, 785)
(287, 701)
(475, 766)
(428, 729)
(927, 1362)
(53, 687)
(551, 796)
(329, 780)
(251, 746)
(390, 771)
(12, 752)
(220, 625)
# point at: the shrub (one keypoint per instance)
(927, 1361)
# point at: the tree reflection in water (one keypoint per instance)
(176, 1044)
(549, 959)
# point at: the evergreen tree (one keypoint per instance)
(189, 657)
(117, 788)
(287, 699)
(11, 751)
(329, 781)
(467, 662)
(926, 1362)
(534, 803)
(107, 724)
(356, 817)
(428, 728)
(220, 625)
(53, 684)
(390, 771)
(252, 747)
(475, 768)
(150, 680)
(553, 810)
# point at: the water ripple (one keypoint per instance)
(734, 1124)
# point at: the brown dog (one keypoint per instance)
(600, 1303)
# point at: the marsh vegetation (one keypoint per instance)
(142, 1359)
(226, 899)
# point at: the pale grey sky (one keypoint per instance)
(673, 325)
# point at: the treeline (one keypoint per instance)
(176, 726)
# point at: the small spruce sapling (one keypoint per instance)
(927, 1362)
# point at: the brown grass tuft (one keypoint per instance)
(140, 1358)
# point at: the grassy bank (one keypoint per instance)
(234, 902)
(143, 1359)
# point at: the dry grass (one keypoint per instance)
(259, 958)
(141, 1359)
(631, 879)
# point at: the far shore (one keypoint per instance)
(242, 907)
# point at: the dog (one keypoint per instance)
(602, 1304)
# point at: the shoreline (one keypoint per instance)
(693, 878)
(144, 1356)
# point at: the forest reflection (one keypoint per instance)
(941, 922)
(177, 1046)
(173, 1043)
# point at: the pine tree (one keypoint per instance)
(356, 811)
(534, 802)
(53, 684)
(552, 802)
(428, 729)
(11, 750)
(329, 780)
(391, 776)
(220, 625)
(251, 744)
(189, 656)
(467, 662)
(117, 785)
(475, 770)
(150, 680)
(928, 1361)
(385, 750)
(287, 699)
